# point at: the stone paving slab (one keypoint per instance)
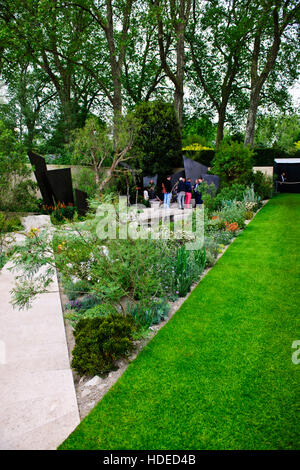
(37, 394)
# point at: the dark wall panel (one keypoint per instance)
(81, 201)
(40, 171)
(193, 169)
(61, 185)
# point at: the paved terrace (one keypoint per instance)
(37, 395)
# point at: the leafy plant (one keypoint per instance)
(83, 304)
(74, 289)
(100, 310)
(263, 185)
(17, 190)
(150, 313)
(233, 162)
(100, 342)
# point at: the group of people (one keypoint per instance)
(185, 191)
(183, 188)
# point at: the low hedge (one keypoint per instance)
(262, 156)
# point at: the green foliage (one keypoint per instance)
(184, 274)
(158, 144)
(234, 192)
(99, 310)
(10, 223)
(74, 289)
(83, 304)
(201, 130)
(249, 215)
(91, 144)
(17, 191)
(279, 131)
(232, 213)
(212, 249)
(233, 163)
(62, 213)
(150, 313)
(84, 179)
(204, 156)
(208, 193)
(263, 185)
(100, 342)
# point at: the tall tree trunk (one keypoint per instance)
(179, 22)
(178, 95)
(251, 118)
(221, 123)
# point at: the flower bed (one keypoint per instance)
(134, 280)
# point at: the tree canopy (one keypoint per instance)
(61, 61)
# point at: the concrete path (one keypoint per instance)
(37, 395)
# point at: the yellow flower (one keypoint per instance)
(33, 232)
(297, 145)
(196, 147)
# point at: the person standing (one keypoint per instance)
(197, 190)
(181, 193)
(167, 191)
(188, 193)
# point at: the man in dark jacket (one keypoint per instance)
(197, 190)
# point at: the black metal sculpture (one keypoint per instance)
(40, 171)
(61, 185)
(193, 169)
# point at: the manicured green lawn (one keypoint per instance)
(219, 375)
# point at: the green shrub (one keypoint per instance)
(233, 162)
(99, 342)
(234, 192)
(263, 185)
(211, 250)
(222, 237)
(232, 213)
(100, 310)
(248, 215)
(10, 223)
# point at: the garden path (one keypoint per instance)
(38, 401)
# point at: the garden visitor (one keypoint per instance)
(167, 192)
(283, 177)
(197, 191)
(188, 193)
(152, 192)
(181, 193)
